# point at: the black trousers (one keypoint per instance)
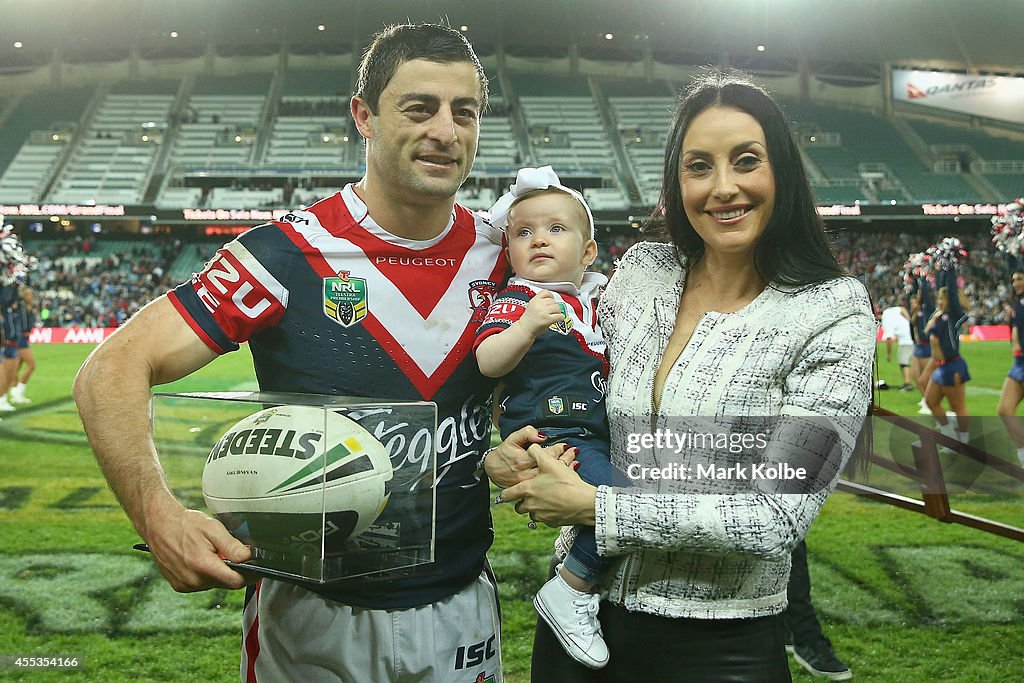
(799, 617)
(646, 648)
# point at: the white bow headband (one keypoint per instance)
(528, 180)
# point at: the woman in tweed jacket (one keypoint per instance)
(743, 314)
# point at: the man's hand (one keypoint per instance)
(541, 313)
(190, 547)
(556, 496)
(509, 463)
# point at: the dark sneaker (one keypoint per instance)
(906, 387)
(821, 661)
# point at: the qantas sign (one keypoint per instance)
(914, 93)
(993, 97)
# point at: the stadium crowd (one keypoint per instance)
(877, 260)
(81, 284)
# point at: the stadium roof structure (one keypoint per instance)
(981, 36)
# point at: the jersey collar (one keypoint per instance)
(361, 214)
(592, 282)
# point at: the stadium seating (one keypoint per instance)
(312, 141)
(317, 83)
(983, 144)
(567, 133)
(563, 123)
(476, 198)
(191, 260)
(26, 177)
(998, 159)
(871, 150)
(28, 154)
(643, 127)
(223, 133)
(176, 197)
(245, 198)
(499, 148)
(605, 199)
(1009, 185)
(113, 159)
(607, 133)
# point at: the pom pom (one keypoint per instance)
(1008, 229)
(15, 264)
(947, 254)
(916, 267)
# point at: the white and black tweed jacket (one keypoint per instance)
(789, 352)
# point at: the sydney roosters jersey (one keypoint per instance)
(560, 381)
(331, 303)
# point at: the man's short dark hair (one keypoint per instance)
(401, 43)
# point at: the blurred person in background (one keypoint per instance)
(950, 375)
(1013, 386)
(9, 300)
(896, 328)
(25, 319)
(922, 307)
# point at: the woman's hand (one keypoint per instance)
(556, 496)
(509, 463)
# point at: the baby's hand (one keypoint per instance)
(542, 312)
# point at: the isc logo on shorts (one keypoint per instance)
(474, 655)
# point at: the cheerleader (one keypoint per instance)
(1013, 385)
(950, 374)
(921, 306)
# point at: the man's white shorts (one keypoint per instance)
(291, 634)
(903, 353)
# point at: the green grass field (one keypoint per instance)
(904, 598)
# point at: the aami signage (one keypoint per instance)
(69, 335)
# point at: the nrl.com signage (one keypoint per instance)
(994, 97)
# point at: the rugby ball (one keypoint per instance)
(297, 479)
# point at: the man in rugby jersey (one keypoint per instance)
(425, 270)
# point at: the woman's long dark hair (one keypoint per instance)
(793, 250)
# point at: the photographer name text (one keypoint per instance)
(754, 472)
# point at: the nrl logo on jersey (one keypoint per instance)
(345, 299)
(563, 326)
(556, 406)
